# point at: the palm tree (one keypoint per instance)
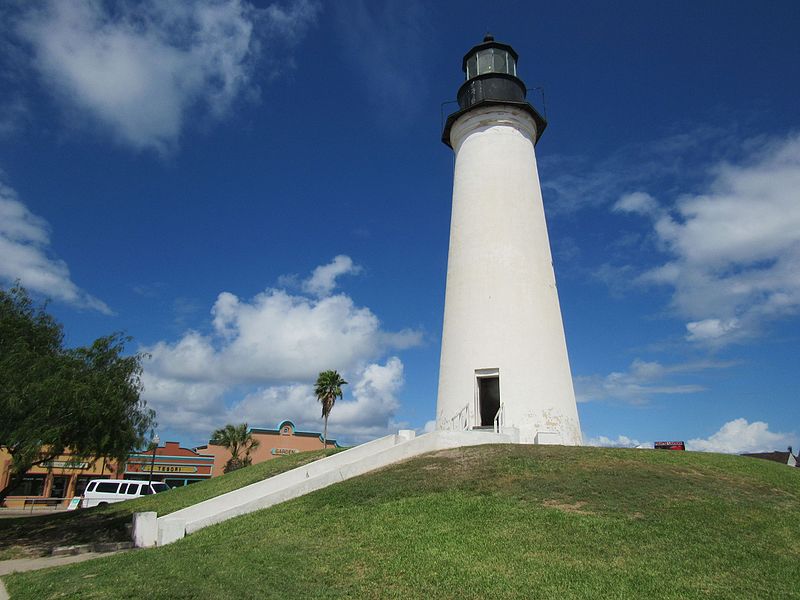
(328, 388)
(236, 438)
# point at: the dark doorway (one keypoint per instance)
(489, 399)
(59, 487)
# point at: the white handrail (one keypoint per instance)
(500, 419)
(460, 421)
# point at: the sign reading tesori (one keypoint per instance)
(669, 446)
(159, 469)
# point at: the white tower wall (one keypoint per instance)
(501, 305)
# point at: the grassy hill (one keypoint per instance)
(488, 522)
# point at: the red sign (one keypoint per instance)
(669, 446)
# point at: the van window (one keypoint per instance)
(133, 489)
(107, 487)
(122, 488)
(160, 487)
(91, 486)
(146, 491)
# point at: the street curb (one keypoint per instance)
(98, 547)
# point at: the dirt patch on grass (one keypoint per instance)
(458, 455)
(449, 453)
(573, 507)
(452, 459)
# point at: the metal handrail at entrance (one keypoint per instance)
(460, 421)
(500, 419)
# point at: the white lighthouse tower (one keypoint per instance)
(504, 363)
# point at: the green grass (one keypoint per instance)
(487, 522)
(35, 536)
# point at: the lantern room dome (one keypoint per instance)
(490, 70)
(490, 57)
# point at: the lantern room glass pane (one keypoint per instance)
(472, 66)
(491, 60)
(500, 61)
(485, 61)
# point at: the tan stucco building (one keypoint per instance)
(56, 481)
(67, 476)
(286, 439)
(62, 477)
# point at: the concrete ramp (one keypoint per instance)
(308, 478)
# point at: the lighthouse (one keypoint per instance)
(504, 364)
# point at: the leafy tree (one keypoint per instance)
(328, 388)
(237, 439)
(54, 398)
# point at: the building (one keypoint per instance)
(172, 464)
(504, 361)
(63, 477)
(786, 458)
(67, 475)
(286, 439)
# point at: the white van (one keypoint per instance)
(106, 491)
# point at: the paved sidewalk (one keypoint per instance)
(13, 513)
(34, 564)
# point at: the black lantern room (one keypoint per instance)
(491, 79)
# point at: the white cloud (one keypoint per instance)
(375, 399)
(734, 437)
(24, 247)
(290, 22)
(275, 345)
(571, 183)
(621, 441)
(323, 279)
(640, 382)
(710, 329)
(638, 202)
(198, 408)
(139, 67)
(735, 249)
(739, 436)
(428, 427)
(369, 414)
(276, 337)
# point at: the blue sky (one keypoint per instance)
(257, 192)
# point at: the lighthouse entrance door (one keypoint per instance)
(488, 399)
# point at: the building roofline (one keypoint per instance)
(277, 431)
